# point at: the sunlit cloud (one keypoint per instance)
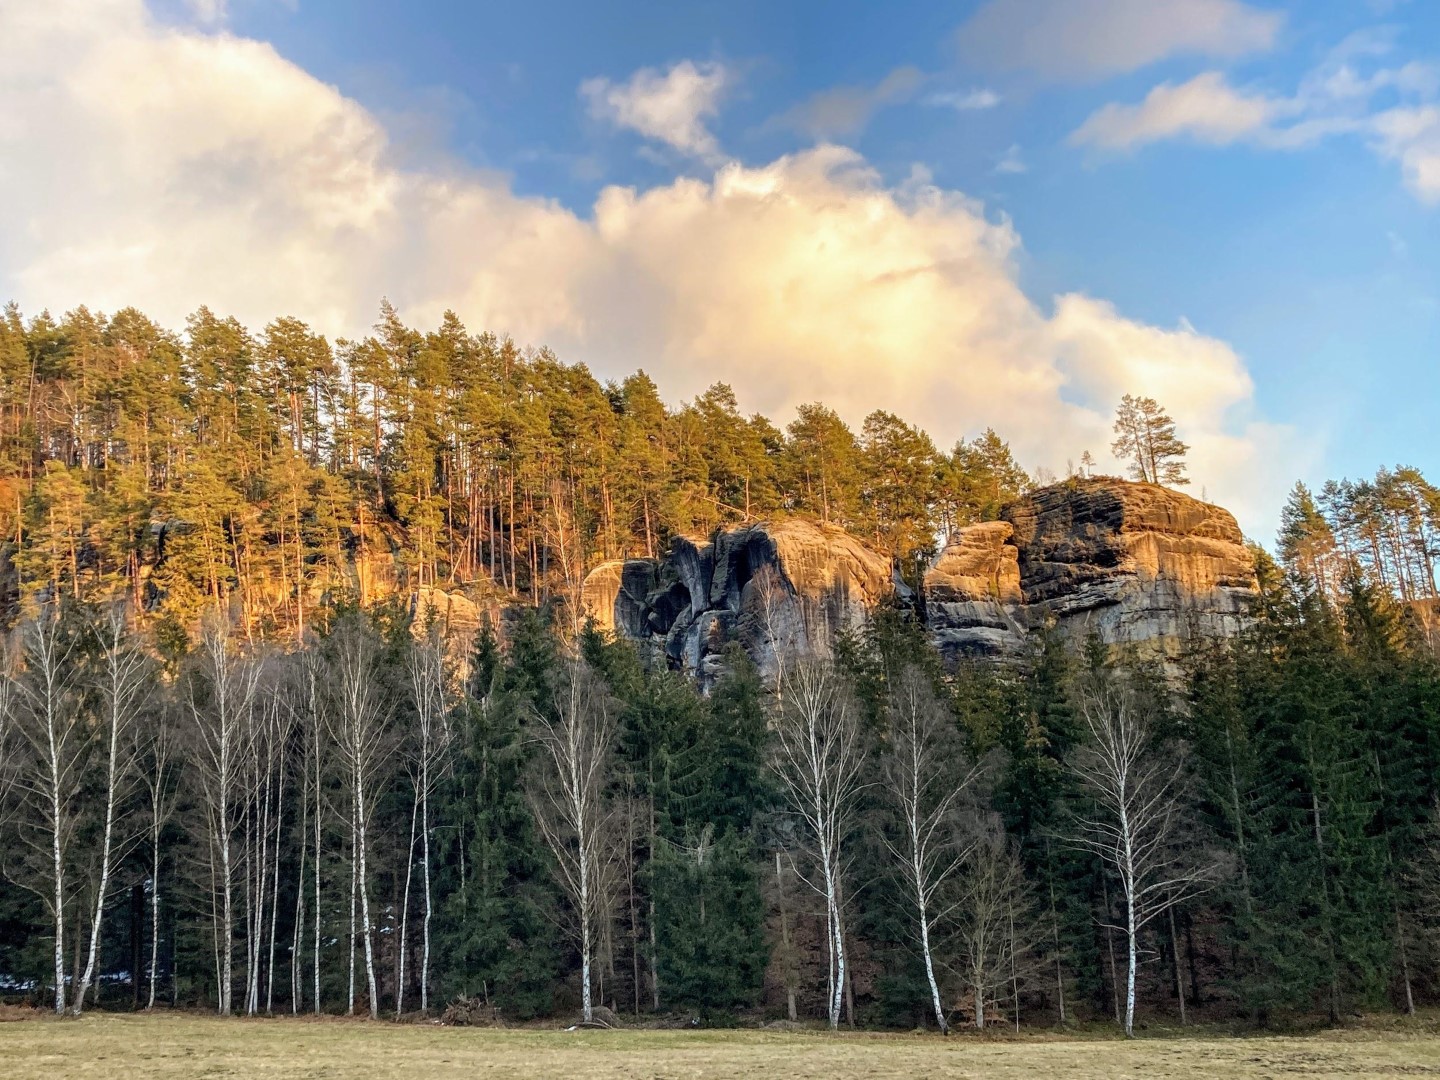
(671, 107)
(170, 168)
(1336, 98)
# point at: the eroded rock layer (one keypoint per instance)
(774, 588)
(1136, 562)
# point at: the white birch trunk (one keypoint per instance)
(570, 806)
(405, 913)
(315, 988)
(819, 760)
(51, 726)
(1139, 796)
(429, 909)
(154, 914)
(58, 873)
(354, 872)
(428, 686)
(115, 705)
(370, 982)
(275, 893)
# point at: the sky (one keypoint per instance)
(982, 213)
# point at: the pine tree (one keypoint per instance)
(1145, 435)
(496, 936)
(709, 923)
(821, 465)
(1306, 543)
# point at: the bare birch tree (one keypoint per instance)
(10, 745)
(432, 746)
(571, 806)
(360, 730)
(925, 779)
(123, 679)
(265, 799)
(51, 725)
(310, 707)
(1137, 821)
(157, 762)
(221, 695)
(995, 931)
(819, 760)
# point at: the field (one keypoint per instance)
(195, 1046)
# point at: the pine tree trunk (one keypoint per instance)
(789, 961)
(1110, 946)
(1175, 958)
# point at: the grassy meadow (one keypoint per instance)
(182, 1045)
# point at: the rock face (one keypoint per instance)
(972, 592)
(1136, 562)
(451, 613)
(774, 588)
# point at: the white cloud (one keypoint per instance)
(671, 106)
(1089, 39)
(1012, 162)
(209, 11)
(1206, 109)
(1336, 98)
(169, 168)
(965, 100)
(844, 111)
(1411, 136)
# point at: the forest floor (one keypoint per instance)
(187, 1045)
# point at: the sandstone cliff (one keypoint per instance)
(1136, 562)
(774, 588)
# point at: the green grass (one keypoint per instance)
(183, 1045)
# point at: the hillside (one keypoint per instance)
(275, 473)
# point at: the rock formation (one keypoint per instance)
(774, 588)
(452, 613)
(1136, 562)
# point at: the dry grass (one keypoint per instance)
(165, 1046)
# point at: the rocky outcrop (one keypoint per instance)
(452, 613)
(1136, 563)
(972, 592)
(774, 588)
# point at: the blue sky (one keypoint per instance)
(1249, 194)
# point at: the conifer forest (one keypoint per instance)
(246, 768)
